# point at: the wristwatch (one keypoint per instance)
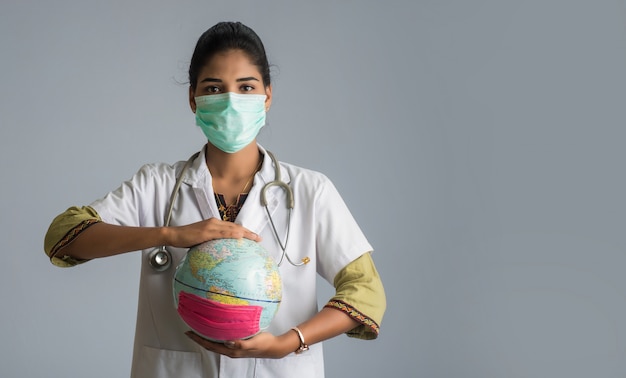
(303, 346)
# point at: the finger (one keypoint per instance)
(252, 236)
(217, 228)
(241, 232)
(207, 344)
(200, 340)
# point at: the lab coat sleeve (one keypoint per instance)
(64, 229)
(134, 202)
(339, 239)
(344, 259)
(129, 205)
(360, 295)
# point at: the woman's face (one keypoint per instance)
(229, 71)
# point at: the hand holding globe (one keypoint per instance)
(227, 289)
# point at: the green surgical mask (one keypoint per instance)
(230, 121)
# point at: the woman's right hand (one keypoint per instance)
(102, 239)
(209, 229)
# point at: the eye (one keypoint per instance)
(212, 89)
(247, 88)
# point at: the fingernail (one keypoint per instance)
(229, 344)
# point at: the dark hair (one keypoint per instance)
(226, 36)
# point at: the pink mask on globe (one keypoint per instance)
(218, 321)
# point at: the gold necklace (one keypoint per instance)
(223, 207)
(252, 175)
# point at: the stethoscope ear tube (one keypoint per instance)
(290, 204)
(278, 181)
(160, 258)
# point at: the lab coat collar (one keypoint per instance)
(267, 171)
(200, 180)
(252, 215)
(198, 171)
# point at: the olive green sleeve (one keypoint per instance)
(64, 229)
(360, 295)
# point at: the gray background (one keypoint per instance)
(478, 143)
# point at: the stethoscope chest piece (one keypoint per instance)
(160, 259)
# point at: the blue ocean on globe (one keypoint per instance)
(231, 272)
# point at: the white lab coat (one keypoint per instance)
(322, 228)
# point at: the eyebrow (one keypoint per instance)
(215, 80)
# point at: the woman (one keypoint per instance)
(230, 93)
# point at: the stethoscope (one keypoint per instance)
(161, 259)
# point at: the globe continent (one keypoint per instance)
(231, 272)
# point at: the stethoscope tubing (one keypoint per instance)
(161, 258)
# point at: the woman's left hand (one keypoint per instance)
(263, 345)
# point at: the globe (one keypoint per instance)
(227, 289)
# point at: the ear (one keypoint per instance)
(192, 99)
(268, 100)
